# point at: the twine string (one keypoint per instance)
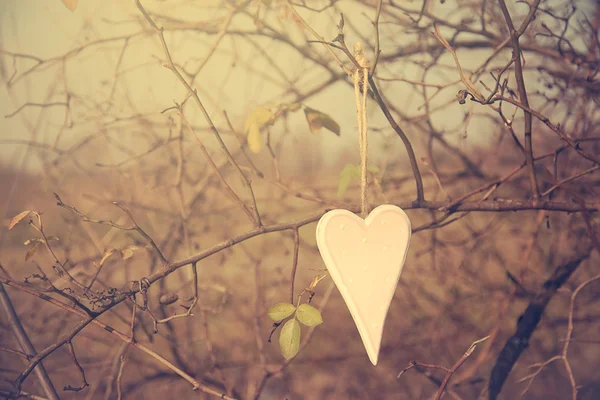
(361, 78)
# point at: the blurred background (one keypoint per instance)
(92, 111)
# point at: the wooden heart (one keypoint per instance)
(365, 259)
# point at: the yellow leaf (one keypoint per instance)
(17, 218)
(317, 120)
(127, 252)
(107, 254)
(70, 4)
(254, 143)
(260, 116)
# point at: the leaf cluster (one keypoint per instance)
(289, 338)
(263, 117)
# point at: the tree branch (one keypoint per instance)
(528, 322)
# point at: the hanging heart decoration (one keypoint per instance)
(365, 258)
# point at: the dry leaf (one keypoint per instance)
(70, 4)
(17, 218)
(317, 120)
(32, 251)
(107, 254)
(316, 281)
(127, 252)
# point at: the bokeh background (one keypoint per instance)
(88, 112)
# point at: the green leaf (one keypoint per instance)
(289, 339)
(309, 315)
(317, 120)
(281, 311)
(373, 170)
(349, 172)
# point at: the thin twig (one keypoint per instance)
(197, 385)
(214, 166)
(456, 366)
(194, 94)
(189, 308)
(375, 23)
(135, 226)
(319, 38)
(81, 371)
(409, 149)
(294, 263)
(521, 86)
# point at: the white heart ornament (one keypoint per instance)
(365, 259)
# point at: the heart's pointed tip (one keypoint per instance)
(373, 360)
(373, 356)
